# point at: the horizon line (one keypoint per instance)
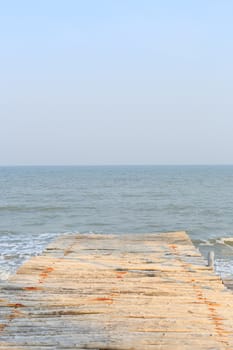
(115, 165)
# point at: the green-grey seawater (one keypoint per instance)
(39, 203)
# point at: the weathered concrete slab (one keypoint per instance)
(116, 292)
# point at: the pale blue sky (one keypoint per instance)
(116, 82)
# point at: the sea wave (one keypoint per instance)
(15, 208)
(15, 249)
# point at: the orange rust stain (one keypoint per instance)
(103, 299)
(17, 305)
(2, 327)
(14, 314)
(211, 303)
(46, 271)
(218, 319)
(32, 288)
(211, 309)
(44, 274)
(121, 274)
(49, 269)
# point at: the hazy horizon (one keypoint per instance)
(116, 165)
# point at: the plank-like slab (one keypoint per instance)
(116, 292)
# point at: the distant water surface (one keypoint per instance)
(39, 203)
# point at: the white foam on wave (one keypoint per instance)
(15, 249)
(224, 268)
(205, 243)
(223, 249)
(4, 275)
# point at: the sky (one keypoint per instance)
(116, 82)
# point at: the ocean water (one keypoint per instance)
(39, 203)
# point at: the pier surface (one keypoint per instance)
(116, 292)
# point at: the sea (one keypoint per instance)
(39, 203)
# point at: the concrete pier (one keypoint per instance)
(116, 292)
